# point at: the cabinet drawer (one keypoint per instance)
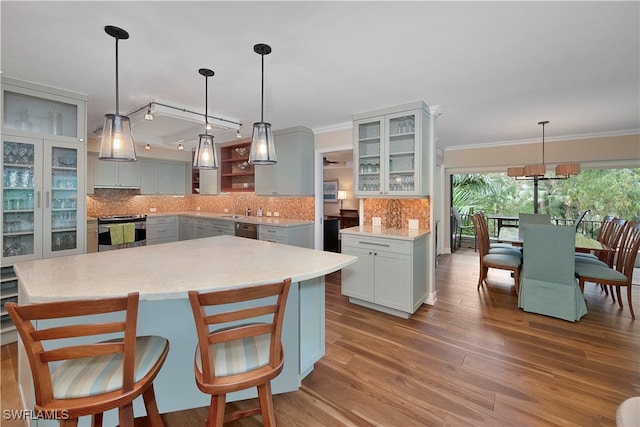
(266, 232)
(161, 220)
(380, 243)
(161, 232)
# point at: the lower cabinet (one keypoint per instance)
(295, 236)
(220, 227)
(390, 275)
(92, 236)
(8, 293)
(162, 229)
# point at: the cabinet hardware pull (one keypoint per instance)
(271, 231)
(376, 244)
(39, 201)
(46, 199)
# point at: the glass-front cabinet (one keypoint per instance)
(43, 171)
(391, 152)
(43, 209)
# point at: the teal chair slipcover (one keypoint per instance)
(548, 284)
(526, 219)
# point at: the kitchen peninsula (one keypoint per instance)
(163, 274)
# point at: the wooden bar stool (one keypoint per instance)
(243, 350)
(96, 377)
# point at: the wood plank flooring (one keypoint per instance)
(473, 359)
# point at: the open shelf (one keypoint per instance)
(236, 174)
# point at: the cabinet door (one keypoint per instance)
(368, 150)
(22, 194)
(357, 279)
(293, 174)
(392, 283)
(166, 179)
(402, 153)
(33, 110)
(105, 173)
(180, 175)
(128, 174)
(148, 177)
(209, 181)
(64, 216)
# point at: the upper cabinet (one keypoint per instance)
(37, 111)
(163, 178)
(293, 174)
(391, 152)
(109, 174)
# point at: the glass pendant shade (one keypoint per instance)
(263, 150)
(117, 141)
(205, 155)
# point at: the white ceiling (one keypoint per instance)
(494, 68)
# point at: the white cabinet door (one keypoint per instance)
(357, 279)
(209, 181)
(392, 285)
(110, 174)
(148, 178)
(166, 179)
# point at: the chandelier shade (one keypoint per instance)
(568, 169)
(117, 140)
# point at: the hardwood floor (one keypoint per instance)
(473, 359)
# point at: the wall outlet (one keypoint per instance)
(376, 221)
(198, 208)
(414, 224)
(276, 214)
(226, 210)
(152, 210)
(268, 213)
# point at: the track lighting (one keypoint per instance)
(148, 115)
(147, 147)
(180, 147)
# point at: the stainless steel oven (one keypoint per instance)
(105, 234)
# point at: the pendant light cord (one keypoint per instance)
(117, 85)
(206, 104)
(262, 92)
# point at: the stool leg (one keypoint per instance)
(216, 410)
(266, 404)
(152, 408)
(125, 415)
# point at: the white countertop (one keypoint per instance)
(392, 233)
(275, 221)
(170, 270)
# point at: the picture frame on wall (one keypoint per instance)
(330, 191)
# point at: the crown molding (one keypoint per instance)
(332, 128)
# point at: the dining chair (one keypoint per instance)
(622, 274)
(526, 219)
(548, 284)
(239, 346)
(80, 378)
(580, 217)
(495, 247)
(460, 227)
(488, 260)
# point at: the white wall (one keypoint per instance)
(345, 182)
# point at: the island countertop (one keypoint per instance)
(169, 271)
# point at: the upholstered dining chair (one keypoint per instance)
(460, 227)
(488, 260)
(239, 346)
(622, 275)
(87, 379)
(548, 284)
(495, 247)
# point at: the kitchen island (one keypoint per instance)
(163, 274)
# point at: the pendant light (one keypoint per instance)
(205, 156)
(263, 150)
(117, 141)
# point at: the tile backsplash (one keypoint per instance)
(116, 201)
(410, 209)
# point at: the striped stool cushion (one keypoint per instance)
(236, 357)
(90, 376)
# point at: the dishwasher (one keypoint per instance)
(250, 231)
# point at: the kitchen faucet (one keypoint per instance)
(246, 206)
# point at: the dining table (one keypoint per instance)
(584, 243)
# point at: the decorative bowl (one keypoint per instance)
(243, 151)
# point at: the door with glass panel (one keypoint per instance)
(41, 213)
(369, 152)
(402, 129)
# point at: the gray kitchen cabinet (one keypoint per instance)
(301, 235)
(92, 236)
(110, 174)
(163, 177)
(162, 229)
(390, 274)
(209, 181)
(293, 174)
(391, 152)
(220, 227)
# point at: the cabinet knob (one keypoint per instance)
(370, 253)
